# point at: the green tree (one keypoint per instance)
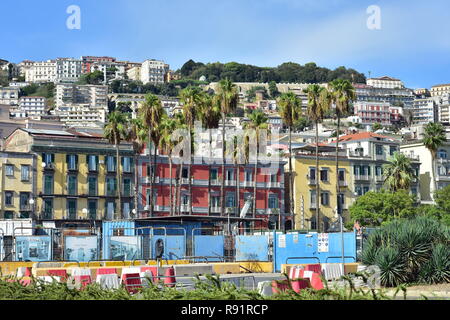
(151, 112)
(433, 138)
(290, 108)
(258, 122)
(227, 97)
(115, 132)
(319, 100)
(376, 126)
(398, 172)
(376, 208)
(273, 90)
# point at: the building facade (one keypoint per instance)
(385, 82)
(68, 70)
(9, 96)
(87, 61)
(33, 106)
(373, 112)
(440, 90)
(41, 71)
(154, 71)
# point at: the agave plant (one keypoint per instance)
(437, 269)
(391, 266)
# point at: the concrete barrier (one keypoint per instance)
(226, 267)
(256, 267)
(187, 270)
(348, 267)
(8, 268)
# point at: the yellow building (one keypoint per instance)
(305, 199)
(16, 185)
(75, 174)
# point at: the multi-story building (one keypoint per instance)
(425, 110)
(68, 70)
(385, 82)
(440, 90)
(9, 96)
(41, 71)
(134, 73)
(169, 104)
(17, 185)
(206, 199)
(111, 70)
(398, 97)
(75, 174)
(154, 71)
(33, 106)
(373, 112)
(432, 174)
(443, 102)
(87, 61)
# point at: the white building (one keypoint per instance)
(94, 95)
(385, 82)
(9, 96)
(425, 110)
(82, 115)
(154, 71)
(34, 107)
(110, 70)
(41, 71)
(68, 70)
(440, 90)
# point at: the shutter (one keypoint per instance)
(368, 170)
(53, 158)
(76, 161)
(67, 159)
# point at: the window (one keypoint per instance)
(126, 187)
(358, 191)
(312, 173)
(273, 201)
(325, 198)
(72, 185)
(48, 158)
(184, 173)
(378, 171)
(312, 198)
(341, 174)
(110, 163)
(230, 200)
(72, 161)
(379, 149)
(185, 199)
(92, 186)
(248, 175)
(442, 154)
(92, 209)
(213, 174)
(230, 174)
(9, 215)
(9, 170)
(9, 196)
(149, 170)
(71, 209)
(215, 201)
(126, 164)
(392, 150)
(110, 209)
(366, 189)
(111, 186)
(24, 200)
(25, 173)
(274, 178)
(48, 184)
(324, 175)
(48, 208)
(92, 162)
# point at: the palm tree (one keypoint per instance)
(180, 124)
(342, 93)
(209, 114)
(190, 97)
(318, 103)
(151, 112)
(114, 131)
(227, 97)
(258, 122)
(136, 134)
(290, 107)
(398, 173)
(433, 138)
(168, 126)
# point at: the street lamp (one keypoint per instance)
(84, 211)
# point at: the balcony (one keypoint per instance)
(25, 207)
(184, 208)
(185, 181)
(380, 157)
(311, 181)
(230, 183)
(343, 184)
(248, 184)
(215, 182)
(50, 166)
(216, 209)
(273, 211)
(273, 184)
(379, 178)
(443, 177)
(362, 177)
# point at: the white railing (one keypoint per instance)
(249, 183)
(362, 177)
(216, 209)
(273, 184)
(230, 182)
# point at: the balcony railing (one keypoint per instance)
(249, 183)
(49, 166)
(215, 182)
(379, 178)
(184, 208)
(216, 209)
(311, 180)
(362, 177)
(230, 182)
(273, 184)
(343, 183)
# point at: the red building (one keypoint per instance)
(87, 62)
(269, 191)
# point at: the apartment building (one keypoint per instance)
(41, 71)
(432, 174)
(398, 97)
(75, 174)
(17, 185)
(88, 61)
(33, 106)
(373, 112)
(439, 90)
(154, 71)
(110, 70)
(169, 104)
(385, 82)
(206, 184)
(68, 70)
(9, 96)
(134, 73)
(425, 110)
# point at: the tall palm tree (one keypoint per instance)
(180, 124)
(136, 134)
(115, 132)
(151, 112)
(258, 122)
(318, 103)
(190, 97)
(342, 93)
(433, 138)
(227, 96)
(209, 114)
(290, 108)
(398, 173)
(168, 126)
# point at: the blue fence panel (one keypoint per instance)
(209, 246)
(303, 248)
(252, 248)
(174, 247)
(33, 248)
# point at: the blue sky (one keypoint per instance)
(413, 43)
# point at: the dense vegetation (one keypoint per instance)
(410, 251)
(287, 72)
(210, 289)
